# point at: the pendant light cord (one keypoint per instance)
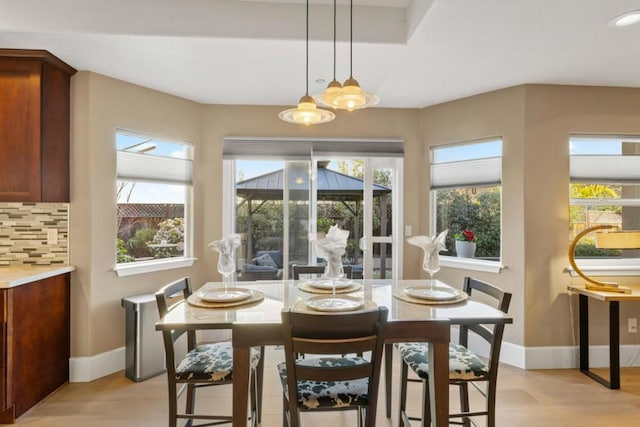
(334, 40)
(351, 41)
(307, 48)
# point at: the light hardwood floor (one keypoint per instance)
(545, 398)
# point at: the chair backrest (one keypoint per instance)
(297, 270)
(342, 333)
(492, 334)
(165, 299)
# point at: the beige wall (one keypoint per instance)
(552, 114)
(533, 121)
(501, 114)
(100, 106)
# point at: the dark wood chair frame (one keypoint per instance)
(166, 301)
(492, 335)
(297, 270)
(342, 333)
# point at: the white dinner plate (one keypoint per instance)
(435, 293)
(326, 284)
(335, 304)
(224, 295)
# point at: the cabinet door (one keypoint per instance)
(20, 131)
(3, 353)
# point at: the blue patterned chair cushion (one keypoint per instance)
(211, 362)
(463, 364)
(328, 394)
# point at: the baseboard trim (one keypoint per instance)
(556, 357)
(86, 369)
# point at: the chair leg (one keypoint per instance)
(173, 406)
(253, 397)
(403, 392)
(491, 404)
(426, 404)
(464, 403)
(260, 382)
(285, 412)
(191, 403)
(388, 366)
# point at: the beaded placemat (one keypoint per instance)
(195, 300)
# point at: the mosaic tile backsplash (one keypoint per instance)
(23, 234)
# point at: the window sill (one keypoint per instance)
(142, 267)
(612, 267)
(471, 264)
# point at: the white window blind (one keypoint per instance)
(466, 173)
(605, 169)
(305, 148)
(146, 167)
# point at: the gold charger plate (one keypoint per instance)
(363, 305)
(434, 293)
(404, 296)
(195, 300)
(224, 294)
(309, 287)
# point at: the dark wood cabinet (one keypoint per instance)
(34, 126)
(35, 343)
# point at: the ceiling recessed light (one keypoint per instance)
(626, 19)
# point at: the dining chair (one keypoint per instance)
(465, 367)
(209, 364)
(297, 270)
(327, 381)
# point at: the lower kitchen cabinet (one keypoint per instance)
(34, 343)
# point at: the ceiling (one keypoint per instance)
(413, 53)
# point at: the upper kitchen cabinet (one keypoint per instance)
(34, 126)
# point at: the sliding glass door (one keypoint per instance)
(282, 206)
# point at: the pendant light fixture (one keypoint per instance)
(351, 96)
(307, 112)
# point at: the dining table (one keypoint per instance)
(257, 322)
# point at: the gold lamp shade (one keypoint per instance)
(618, 240)
(605, 240)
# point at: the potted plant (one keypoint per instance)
(465, 244)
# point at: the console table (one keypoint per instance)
(613, 299)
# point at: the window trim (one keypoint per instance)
(471, 264)
(612, 267)
(601, 267)
(467, 263)
(162, 264)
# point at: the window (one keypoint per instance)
(604, 190)
(308, 185)
(153, 195)
(466, 188)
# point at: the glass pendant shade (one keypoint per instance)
(348, 96)
(333, 90)
(306, 113)
(352, 97)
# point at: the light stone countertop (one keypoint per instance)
(16, 276)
